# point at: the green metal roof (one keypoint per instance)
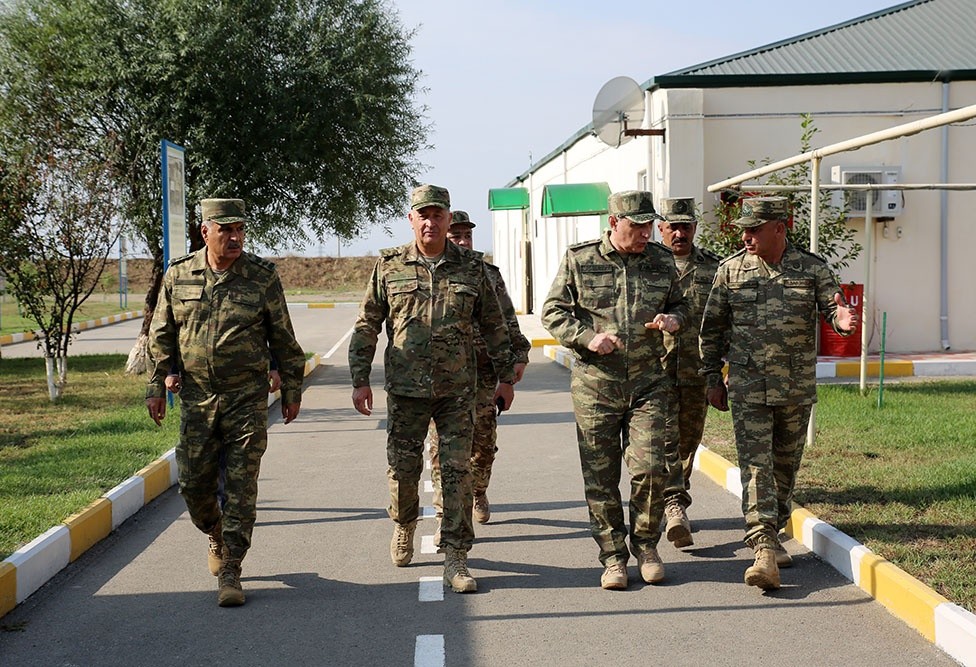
(508, 199)
(922, 40)
(575, 199)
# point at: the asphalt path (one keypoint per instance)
(321, 589)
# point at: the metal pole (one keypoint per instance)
(884, 330)
(814, 244)
(865, 299)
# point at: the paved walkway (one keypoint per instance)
(321, 589)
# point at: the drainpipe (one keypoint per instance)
(944, 228)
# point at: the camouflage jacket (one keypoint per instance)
(430, 323)
(520, 344)
(762, 318)
(599, 290)
(683, 358)
(220, 330)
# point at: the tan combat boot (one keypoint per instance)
(481, 511)
(614, 577)
(764, 573)
(678, 529)
(401, 546)
(229, 591)
(783, 557)
(215, 549)
(651, 567)
(456, 573)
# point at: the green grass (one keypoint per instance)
(56, 459)
(901, 480)
(98, 305)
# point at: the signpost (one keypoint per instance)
(174, 201)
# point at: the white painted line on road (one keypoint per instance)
(431, 589)
(341, 341)
(429, 651)
(428, 486)
(427, 545)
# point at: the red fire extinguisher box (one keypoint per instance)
(833, 344)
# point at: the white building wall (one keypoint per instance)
(712, 134)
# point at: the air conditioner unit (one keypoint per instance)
(885, 203)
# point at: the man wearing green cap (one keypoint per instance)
(608, 304)
(483, 445)
(432, 295)
(221, 317)
(761, 316)
(686, 418)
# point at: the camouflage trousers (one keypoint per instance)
(222, 440)
(769, 442)
(406, 430)
(685, 424)
(483, 447)
(616, 422)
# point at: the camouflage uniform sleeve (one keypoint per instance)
(362, 344)
(559, 310)
(676, 303)
(715, 329)
(493, 328)
(163, 343)
(284, 347)
(520, 344)
(827, 287)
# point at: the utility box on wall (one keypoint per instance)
(885, 203)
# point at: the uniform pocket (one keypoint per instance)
(462, 299)
(743, 303)
(186, 302)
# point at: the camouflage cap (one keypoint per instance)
(430, 195)
(678, 209)
(759, 210)
(223, 211)
(461, 219)
(635, 205)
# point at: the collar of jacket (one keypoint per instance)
(411, 253)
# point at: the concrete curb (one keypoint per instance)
(10, 339)
(947, 625)
(35, 563)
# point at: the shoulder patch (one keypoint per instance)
(711, 255)
(261, 262)
(181, 259)
(741, 252)
(806, 252)
(585, 244)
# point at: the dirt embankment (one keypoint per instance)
(305, 275)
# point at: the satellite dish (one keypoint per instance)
(619, 101)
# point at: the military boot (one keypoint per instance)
(614, 577)
(456, 573)
(651, 567)
(229, 591)
(481, 510)
(678, 529)
(764, 573)
(783, 557)
(215, 549)
(401, 546)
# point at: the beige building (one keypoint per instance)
(906, 63)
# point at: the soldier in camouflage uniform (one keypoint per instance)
(220, 318)
(608, 305)
(483, 445)
(761, 317)
(432, 295)
(686, 417)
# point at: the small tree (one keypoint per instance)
(58, 213)
(835, 239)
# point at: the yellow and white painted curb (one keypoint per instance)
(947, 625)
(31, 566)
(323, 304)
(10, 339)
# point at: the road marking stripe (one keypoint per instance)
(429, 651)
(427, 545)
(341, 341)
(431, 589)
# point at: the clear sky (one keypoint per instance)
(508, 81)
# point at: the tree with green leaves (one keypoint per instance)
(59, 219)
(303, 108)
(835, 239)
